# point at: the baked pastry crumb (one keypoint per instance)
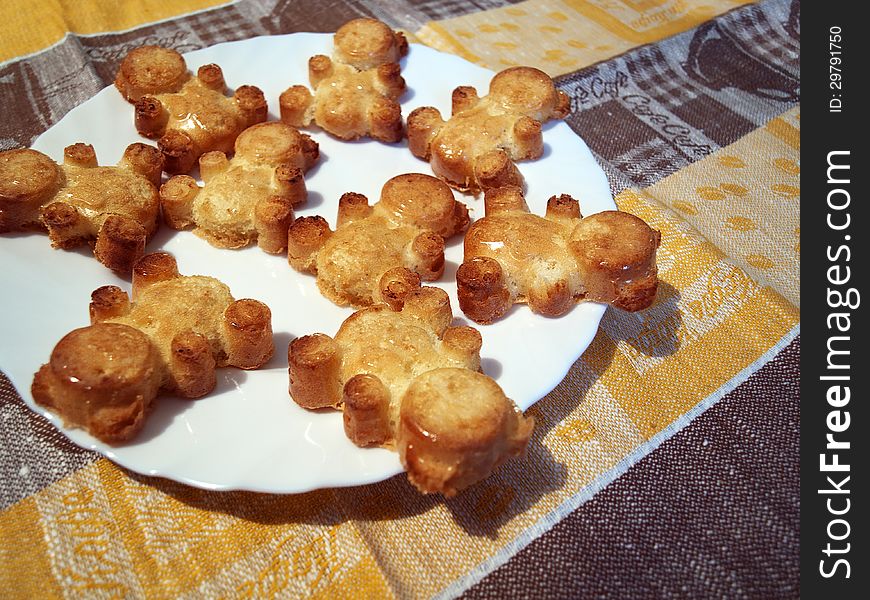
(170, 337)
(405, 228)
(114, 208)
(187, 114)
(355, 91)
(406, 379)
(555, 261)
(247, 198)
(475, 149)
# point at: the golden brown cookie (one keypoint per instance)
(170, 337)
(248, 198)
(555, 261)
(406, 228)
(476, 148)
(405, 378)
(188, 115)
(355, 91)
(78, 202)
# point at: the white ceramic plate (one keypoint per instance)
(249, 434)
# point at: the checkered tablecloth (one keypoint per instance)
(666, 462)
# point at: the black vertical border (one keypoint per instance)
(825, 131)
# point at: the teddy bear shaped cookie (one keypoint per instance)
(407, 227)
(476, 148)
(355, 91)
(170, 338)
(406, 379)
(555, 261)
(248, 198)
(188, 114)
(114, 207)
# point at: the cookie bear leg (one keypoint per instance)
(272, 218)
(252, 104)
(562, 208)
(290, 183)
(145, 160)
(191, 365)
(482, 290)
(352, 206)
(179, 152)
(496, 169)
(67, 228)
(424, 123)
(212, 77)
(464, 344)
(432, 306)
(150, 117)
(425, 255)
(304, 238)
(395, 285)
(108, 302)
(176, 200)
(120, 243)
(366, 411)
(294, 103)
(319, 68)
(212, 164)
(80, 155)
(504, 199)
(248, 334)
(314, 371)
(153, 268)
